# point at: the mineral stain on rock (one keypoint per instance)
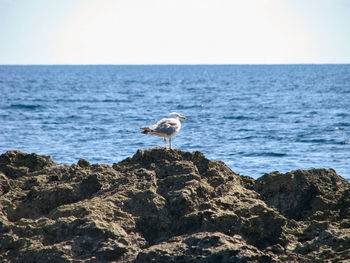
(164, 205)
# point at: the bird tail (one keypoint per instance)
(146, 130)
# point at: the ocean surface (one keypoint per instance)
(255, 118)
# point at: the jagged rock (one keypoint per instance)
(17, 163)
(166, 205)
(4, 184)
(301, 194)
(204, 247)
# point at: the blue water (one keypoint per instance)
(255, 118)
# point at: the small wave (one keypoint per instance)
(73, 117)
(25, 106)
(323, 141)
(251, 137)
(265, 154)
(128, 82)
(183, 107)
(343, 115)
(342, 124)
(245, 130)
(165, 83)
(92, 100)
(117, 100)
(292, 112)
(240, 117)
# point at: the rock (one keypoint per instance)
(301, 194)
(17, 163)
(4, 184)
(204, 247)
(320, 200)
(165, 205)
(83, 163)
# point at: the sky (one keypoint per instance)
(174, 31)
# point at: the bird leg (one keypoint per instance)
(170, 142)
(164, 142)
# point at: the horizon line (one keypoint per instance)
(177, 64)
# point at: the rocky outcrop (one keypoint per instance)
(166, 205)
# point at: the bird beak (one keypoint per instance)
(183, 117)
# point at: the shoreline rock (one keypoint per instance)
(165, 205)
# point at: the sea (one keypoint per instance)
(255, 118)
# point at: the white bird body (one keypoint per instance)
(166, 128)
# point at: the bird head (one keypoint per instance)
(177, 116)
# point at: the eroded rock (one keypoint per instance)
(166, 205)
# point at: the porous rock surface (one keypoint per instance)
(166, 205)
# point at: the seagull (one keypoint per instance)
(166, 128)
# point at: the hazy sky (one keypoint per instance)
(174, 31)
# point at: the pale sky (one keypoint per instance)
(174, 31)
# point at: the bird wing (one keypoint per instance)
(167, 126)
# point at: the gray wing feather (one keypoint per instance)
(166, 126)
